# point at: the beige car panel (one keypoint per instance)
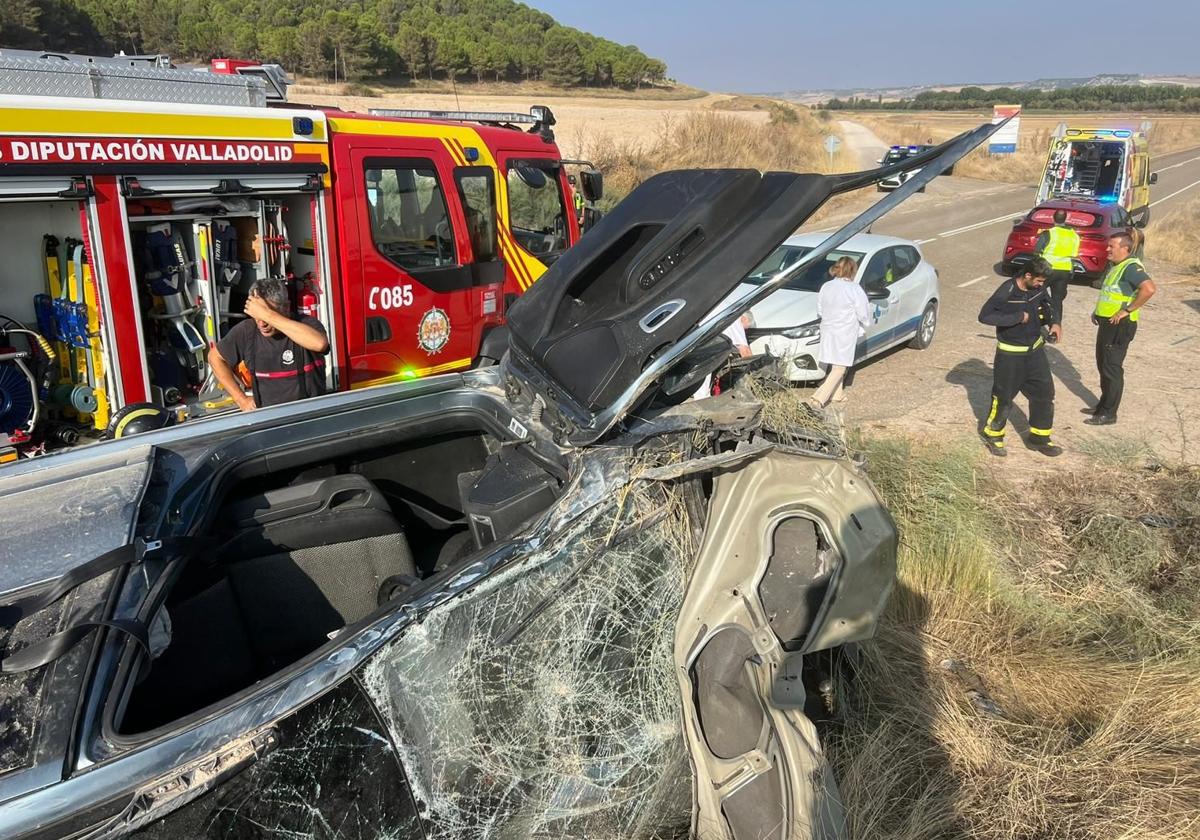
(797, 546)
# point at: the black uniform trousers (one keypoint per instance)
(1026, 373)
(1058, 281)
(1112, 343)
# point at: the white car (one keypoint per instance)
(901, 286)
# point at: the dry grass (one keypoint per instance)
(711, 139)
(1036, 675)
(1174, 236)
(742, 102)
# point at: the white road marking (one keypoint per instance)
(1177, 192)
(1177, 165)
(966, 228)
(923, 241)
(972, 282)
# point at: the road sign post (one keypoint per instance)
(832, 144)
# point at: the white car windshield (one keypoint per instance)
(809, 280)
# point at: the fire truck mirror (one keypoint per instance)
(532, 177)
(592, 181)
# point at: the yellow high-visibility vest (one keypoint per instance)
(1111, 297)
(1062, 248)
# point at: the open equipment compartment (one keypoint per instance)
(53, 371)
(199, 243)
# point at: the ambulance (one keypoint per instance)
(139, 202)
(1105, 165)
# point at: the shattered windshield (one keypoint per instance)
(546, 702)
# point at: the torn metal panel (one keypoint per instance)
(798, 556)
(543, 703)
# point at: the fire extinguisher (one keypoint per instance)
(309, 299)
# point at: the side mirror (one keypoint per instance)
(592, 182)
(1153, 177)
(876, 290)
(532, 177)
(1142, 222)
(879, 162)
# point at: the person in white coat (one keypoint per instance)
(845, 313)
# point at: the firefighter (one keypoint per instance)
(1059, 246)
(577, 198)
(1125, 290)
(282, 353)
(1019, 310)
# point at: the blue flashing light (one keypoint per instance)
(471, 153)
(302, 126)
(1123, 133)
(1107, 199)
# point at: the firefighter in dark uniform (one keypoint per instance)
(1059, 246)
(1020, 310)
(1125, 288)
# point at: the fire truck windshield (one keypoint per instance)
(537, 208)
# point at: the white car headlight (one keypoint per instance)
(806, 331)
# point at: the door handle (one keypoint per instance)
(659, 315)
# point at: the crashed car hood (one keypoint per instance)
(625, 305)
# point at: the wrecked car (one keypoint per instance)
(549, 598)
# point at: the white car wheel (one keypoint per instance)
(926, 328)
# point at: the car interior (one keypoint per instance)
(300, 554)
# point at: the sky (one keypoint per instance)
(770, 45)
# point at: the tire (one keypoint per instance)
(926, 328)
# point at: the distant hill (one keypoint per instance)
(892, 94)
(497, 40)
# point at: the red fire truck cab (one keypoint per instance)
(138, 204)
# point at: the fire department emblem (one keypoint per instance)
(433, 333)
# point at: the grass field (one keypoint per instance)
(1174, 236)
(1037, 674)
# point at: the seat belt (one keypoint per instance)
(47, 650)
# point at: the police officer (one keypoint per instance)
(1059, 245)
(1019, 310)
(1125, 289)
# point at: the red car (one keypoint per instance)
(1093, 221)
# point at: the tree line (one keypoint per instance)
(1082, 98)
(492, 40)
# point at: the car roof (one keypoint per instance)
(865, 242)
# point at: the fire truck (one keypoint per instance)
(139, 202)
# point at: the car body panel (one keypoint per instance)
(793, 560)
(1099, 222)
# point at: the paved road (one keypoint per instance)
(961, 225)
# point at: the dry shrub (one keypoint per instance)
(1174, 237)
(992, 703)
(1025, 166)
